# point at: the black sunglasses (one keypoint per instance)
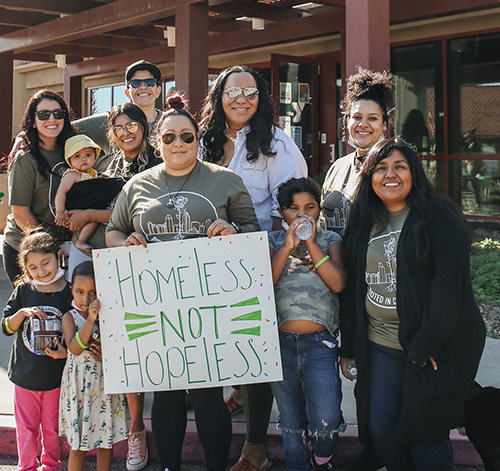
(131, 126)
(44, 115)
(169, 137)
(235, 92)
(136, 83)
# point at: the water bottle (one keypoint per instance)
(304, 230)
(351, 370)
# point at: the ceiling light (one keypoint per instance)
(308, 6)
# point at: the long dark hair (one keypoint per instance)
(213, 119)
(368, 210)
(31, 132)
(146, 157)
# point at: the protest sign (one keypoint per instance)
(188, 314)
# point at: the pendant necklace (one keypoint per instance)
(171, 201)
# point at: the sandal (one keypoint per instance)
(244, 465)
(233, 405)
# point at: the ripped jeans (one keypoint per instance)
(309, 397)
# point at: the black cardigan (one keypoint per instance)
(439, 318)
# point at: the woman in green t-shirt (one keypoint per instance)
(183, 198)
(408, 314)
(35, 173)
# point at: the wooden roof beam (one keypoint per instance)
(257, 10)
(98, 20)
(403, 11)
(79, 51)
(147, 32)
(23, 18)
(115, 42)
(292, 30)
(51, 6)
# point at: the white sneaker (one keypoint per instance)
(137, 456)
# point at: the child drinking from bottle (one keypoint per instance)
(307, 275)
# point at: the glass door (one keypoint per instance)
(295, 88)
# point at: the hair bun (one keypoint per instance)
(176, 102)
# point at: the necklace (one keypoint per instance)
(171, 201)
(228, 134)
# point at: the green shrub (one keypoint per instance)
(485, 269)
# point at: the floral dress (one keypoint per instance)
(88, 417)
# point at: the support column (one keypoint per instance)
(191, 53)
(6, 84)
(72, 90)
(367, 35)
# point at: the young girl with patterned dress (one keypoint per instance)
(307, 274)
(34, 309)
(88, 417)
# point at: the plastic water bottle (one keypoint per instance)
(351, 370)
(304, 230)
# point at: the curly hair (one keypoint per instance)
(28, 124)
(373, 86)
(146, 155)
(36, 241)
(213, 122)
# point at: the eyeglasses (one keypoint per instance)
(136, 83)
(235, 92)
(169, 137)
(131, 126)
(44, 115)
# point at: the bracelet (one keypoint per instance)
(323, 260)
(77, 337)
(7, 327)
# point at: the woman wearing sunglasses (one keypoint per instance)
(183, 198)
(238, 132)
(131, 153)
(35, 173)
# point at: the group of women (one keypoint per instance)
(417, 348)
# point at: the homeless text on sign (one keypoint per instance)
(188, 314)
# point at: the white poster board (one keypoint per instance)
(188, 314)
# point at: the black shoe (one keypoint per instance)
(367, 460)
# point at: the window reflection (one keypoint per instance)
(474, 91)
(418, 94)
(477, 186)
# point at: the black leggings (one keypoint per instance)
(10, 262)
(213, 422)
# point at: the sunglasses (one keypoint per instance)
(169, 137)
(136, 83)
(131, 126)
(235, 92)
(44, 115)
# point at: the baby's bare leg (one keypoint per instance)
(85, 235)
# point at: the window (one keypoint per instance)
(474, 95)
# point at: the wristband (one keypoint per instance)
(7, 327)
(323, 260)
(77, 337)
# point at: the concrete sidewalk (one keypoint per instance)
(488, 375)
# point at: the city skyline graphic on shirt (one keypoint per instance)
(180, 223)
(340, 217)
(386, 273)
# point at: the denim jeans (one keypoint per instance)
(309, 397)
(386, 385)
